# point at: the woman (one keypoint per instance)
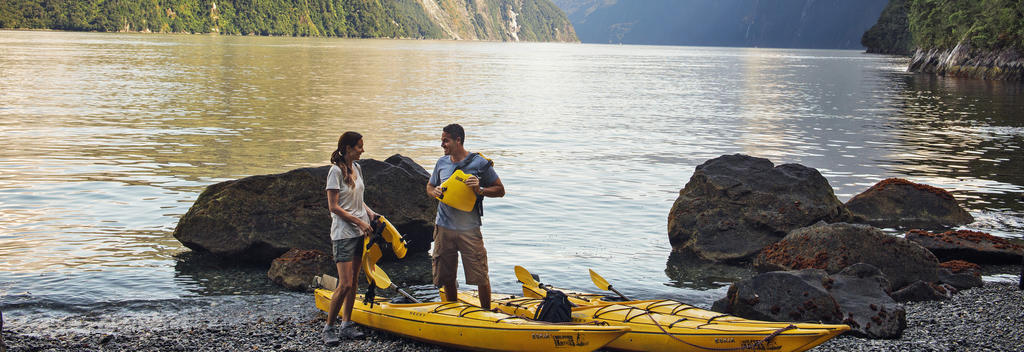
(350, 222)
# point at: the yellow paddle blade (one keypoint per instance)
(599, 281)
(380, 278)
(525, 277)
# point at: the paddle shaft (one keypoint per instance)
(618, 293)
(406, 294)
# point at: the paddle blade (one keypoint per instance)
(380, 278)
(524, 276)
(599, 281)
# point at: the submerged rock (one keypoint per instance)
(735, 205)
(832, 247)
(296, 268)
(856, 296)
(258, 218)
(974, 246)
(896, 202)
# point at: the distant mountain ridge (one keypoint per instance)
(830, 24)
(504, 20)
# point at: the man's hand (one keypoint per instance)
(473, 183)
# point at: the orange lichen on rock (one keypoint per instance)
(903, 182)
(958, 266)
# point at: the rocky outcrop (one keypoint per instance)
(735, 205)
(963, 61)
(973, 246)
(258, 218)
(856, 296)
(296, 268)
(896, 202)
(832, 247)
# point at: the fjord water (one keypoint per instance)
(109, 138)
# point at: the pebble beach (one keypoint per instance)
(989, 318)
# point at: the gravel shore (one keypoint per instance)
(989, 318)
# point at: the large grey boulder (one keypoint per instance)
(898, 203)
(735, 205)
(972, 246)
(863, 295)
(258, 218)
(833, 247)
(856, 296)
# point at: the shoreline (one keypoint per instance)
(988, 318)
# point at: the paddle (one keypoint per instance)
(525, 277)
(604, 285)
(381, 279)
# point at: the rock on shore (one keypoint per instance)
(896, 202)
(258, 218)
(972, 246)
(735, 205)
(833, 247)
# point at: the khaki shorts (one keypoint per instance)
(345, 250)
(448, 244)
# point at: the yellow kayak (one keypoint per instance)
(682, 310)
(652, 331)
(460, 325)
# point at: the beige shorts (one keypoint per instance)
(448, 244)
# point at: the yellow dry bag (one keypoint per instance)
(456, 193)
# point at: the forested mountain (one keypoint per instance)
(979, 38)
(749, 23)
(510, 20)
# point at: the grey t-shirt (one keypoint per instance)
(350, 198)
(452, 218)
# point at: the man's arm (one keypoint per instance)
(433, 191)
(496, 190)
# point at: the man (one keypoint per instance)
(459, 231)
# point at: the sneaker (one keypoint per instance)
(331, 335)
(351, 331)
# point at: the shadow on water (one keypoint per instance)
(210, 275)
(686, 270)
(213, 276)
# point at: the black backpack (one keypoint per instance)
(555, 308)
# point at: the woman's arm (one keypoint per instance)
(332, 205)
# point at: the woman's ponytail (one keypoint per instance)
(347, 140)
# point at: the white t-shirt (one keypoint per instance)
(350, 199)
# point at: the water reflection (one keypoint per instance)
(111, 137)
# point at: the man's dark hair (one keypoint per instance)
(456, 132)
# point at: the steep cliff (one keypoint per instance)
(507, 20)
(836, 24)
(979, 39)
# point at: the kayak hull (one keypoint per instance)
(686, 311)
(652, 331)
(460, 325)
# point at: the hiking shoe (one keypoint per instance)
(331, 337)
(351, 331)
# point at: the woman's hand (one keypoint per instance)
(364, 227)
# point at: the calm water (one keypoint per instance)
(109, 138)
